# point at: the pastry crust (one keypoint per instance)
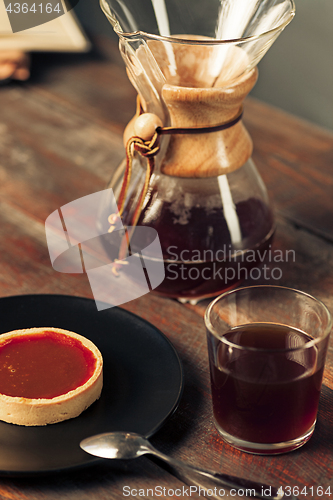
(33, 412)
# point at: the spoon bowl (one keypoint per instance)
(120, 445)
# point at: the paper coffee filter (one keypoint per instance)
(250, 25)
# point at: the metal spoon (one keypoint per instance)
(130, 445)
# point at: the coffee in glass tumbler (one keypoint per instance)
(267, 347)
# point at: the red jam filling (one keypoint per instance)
(44, 365)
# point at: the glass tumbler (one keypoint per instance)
(267, 347)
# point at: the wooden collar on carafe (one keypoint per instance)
(224, 147)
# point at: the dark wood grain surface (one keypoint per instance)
(60, 139)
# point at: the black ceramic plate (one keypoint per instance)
(142, 381)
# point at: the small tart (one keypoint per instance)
(47, 375)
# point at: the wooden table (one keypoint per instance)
(60, 139)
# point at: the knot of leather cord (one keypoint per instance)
(148, 149)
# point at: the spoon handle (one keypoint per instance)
(261, 490)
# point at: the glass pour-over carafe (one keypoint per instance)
(192, 64)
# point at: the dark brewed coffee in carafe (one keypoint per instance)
(203, 255)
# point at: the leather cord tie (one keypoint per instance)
(149, 150)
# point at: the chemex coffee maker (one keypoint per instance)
(188, 171)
